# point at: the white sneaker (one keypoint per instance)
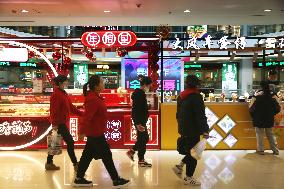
(178, 170)
(191, 181)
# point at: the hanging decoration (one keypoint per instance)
(163, 31)
(56, 55)
(31, 54)
(153, 64)
(89, 54)
(121, 52)
(67, 60)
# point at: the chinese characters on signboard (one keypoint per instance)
(108, 39)
(224, 42)
(120, 131)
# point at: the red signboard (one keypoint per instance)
(108, 39)
(30, 132)
(121, 133)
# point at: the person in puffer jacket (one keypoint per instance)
(263, 108)
(192, 123)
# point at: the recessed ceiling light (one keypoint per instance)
(187, 11)
(25, 11)
(267, 10)
(107, 11)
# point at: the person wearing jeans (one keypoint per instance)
(140, 117)
(60, 110)
(263, 108)
(192, 123)
(93, 127)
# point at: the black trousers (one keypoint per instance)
(190, 162)
(64, 132)
(97, 148)
(140, 145)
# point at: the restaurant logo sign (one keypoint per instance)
(15, 128)
(108, 39)
(225, 43)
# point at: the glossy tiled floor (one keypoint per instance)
(217, 170)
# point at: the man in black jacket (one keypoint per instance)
(263, 108)
(140, 117)
(192, 122)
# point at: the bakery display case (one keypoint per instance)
(24, 120)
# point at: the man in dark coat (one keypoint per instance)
(263, 108)
(140, 117)
(192, 123)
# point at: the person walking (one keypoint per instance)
(60, 109)
(140, 117)
(192, 123)
(263, 108)
(93, 127)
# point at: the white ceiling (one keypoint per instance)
(151, 12)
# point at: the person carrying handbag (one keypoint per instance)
(60, 109)
(192, 123)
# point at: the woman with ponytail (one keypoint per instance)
(94, 127)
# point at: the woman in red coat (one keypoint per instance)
(60, 110)
(94, 127)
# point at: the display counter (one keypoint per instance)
(26, 125)
(230, 125)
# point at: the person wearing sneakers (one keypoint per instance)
(140, 117)
(93, 126)
(60, 109)
(192, 123)
(263, 108)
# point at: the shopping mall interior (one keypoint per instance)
(231, 46)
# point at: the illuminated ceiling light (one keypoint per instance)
(267, 10)
(107, 11)
(187, 11)
(25, 11)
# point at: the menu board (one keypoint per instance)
(80, 75)
(211, 117)
(229, 77)
(230, 140)
(214, 139)
(226, 124)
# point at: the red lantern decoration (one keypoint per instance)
(89, 54)
(31, 54)
(155, 85)
(155, 76)
(122, 52)
(153, 64)
(56, 55)
(67, 60)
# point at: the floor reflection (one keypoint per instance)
(216, 170)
